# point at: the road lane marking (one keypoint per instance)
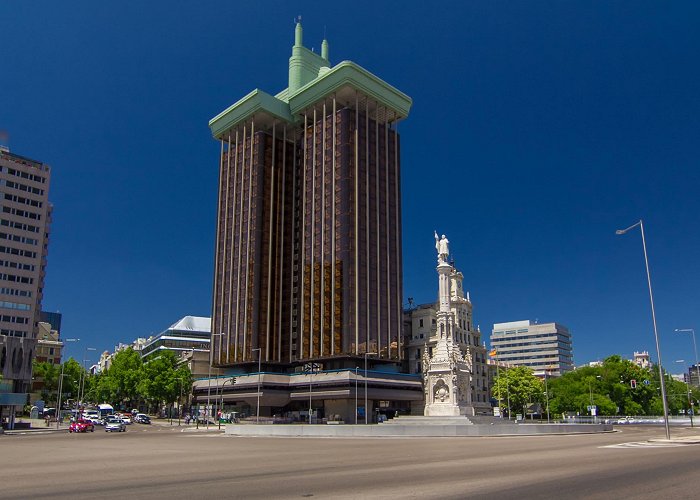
(644, 444)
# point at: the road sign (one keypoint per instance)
(646, 382)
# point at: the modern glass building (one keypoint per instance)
(189, 333)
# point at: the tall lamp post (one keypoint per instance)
(356, 395)
(81, 381)
(695, 348)
(257, 410)
(546, 392)
(221, 408)
(179, 403)
(590, 395)
(640, 223)
(60, 387)
(367, 412)
(690, 401)
(310, 368)
(211, 360)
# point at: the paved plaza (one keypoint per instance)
(161, 461)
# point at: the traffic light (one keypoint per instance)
(633, 384)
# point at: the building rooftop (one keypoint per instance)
(191, 323)
(311, 79)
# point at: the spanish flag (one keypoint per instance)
(492, 353)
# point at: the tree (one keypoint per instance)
(519, 386)
(49, 373)
(72, 374)
(618, 386)
(120, 383)
(164, 381)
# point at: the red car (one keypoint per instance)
(81, 426)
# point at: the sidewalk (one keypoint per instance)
(38, 426)
(165, 422)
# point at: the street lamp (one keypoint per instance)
(81, 382)
(366, 412)
(179, 404)
(690, 401)
(310, 368)
(590, 395)
(653, 318)
(695, 348)
(221, 408)
(493, 354)
(356, 395)
(211, 352)
(257, 411)
(60, 386)
(546, 392)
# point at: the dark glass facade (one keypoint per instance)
(308, 252)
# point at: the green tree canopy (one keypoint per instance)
(163, 380)
(517, 387)
(49, 373)
(617, 387)
(120, 383)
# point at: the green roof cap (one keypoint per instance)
(311, 80)
(257, 102)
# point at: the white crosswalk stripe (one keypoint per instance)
(644, 444)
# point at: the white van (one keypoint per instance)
(105, 410)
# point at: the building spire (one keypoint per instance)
(298, 33)
(324, 49)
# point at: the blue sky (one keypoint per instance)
(538, 128)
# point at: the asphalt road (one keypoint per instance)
(163, 462)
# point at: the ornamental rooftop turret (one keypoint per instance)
(311, 79)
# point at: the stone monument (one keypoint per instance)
(446, 370)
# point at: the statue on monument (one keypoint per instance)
(441, 245)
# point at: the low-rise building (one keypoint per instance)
(49, 347)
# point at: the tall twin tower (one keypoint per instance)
(308, 245)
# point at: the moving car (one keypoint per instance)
(81, 426)
(114, 424)
(142, 418)
(94, 419)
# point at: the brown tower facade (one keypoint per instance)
(308, 249)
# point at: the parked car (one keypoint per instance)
(142, 418)
(114, 424)
(81, 425)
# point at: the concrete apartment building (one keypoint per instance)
(25, 216)
(308, 267)
(544, 347)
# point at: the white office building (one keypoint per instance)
(544, 347)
